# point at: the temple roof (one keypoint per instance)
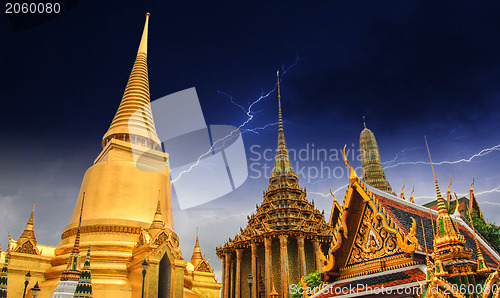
(285, 209)
(134, 117)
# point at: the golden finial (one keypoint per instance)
(143, 46)
(30, 221)
(411, 195)
(352, 175)
(441, 206)
(364, 121)
(334, 199)
(402, 195)
(472, 183)
(197, 242)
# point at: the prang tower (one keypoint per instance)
(373, 173)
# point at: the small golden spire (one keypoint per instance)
(441, 205)
(402, 195)
(29, 231)
(197, 257)
(411, 195)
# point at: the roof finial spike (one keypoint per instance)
(364, 121)
(457, 206)
(411, 195)
(197, 242)
(441, 204)
(143, 46)
(402, 195)
(30, 221)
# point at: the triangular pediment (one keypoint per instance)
(372, 241)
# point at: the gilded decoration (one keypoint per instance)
(372, 240)
(27, 247)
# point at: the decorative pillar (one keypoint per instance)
(268, 264)
(254, 270)
(227, 274)
(284, 265)
(302, 255)
(316, 254)
(237, 286)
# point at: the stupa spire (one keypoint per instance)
(133, 121)
(282, 164)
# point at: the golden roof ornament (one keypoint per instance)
(411, 195)
(402, 195)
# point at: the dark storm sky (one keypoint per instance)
(413, 68)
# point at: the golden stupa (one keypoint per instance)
(126, 215)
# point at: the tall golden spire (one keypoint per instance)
(133, 121)
(282, 164)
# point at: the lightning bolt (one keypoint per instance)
(249, 113)
(327, 195)
(481, 153)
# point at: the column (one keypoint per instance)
(224, 277)
(316, 254)
(254, 270)
(284, 265)
(268, 264)
(227, 285)
(302, 255)
(237, 288)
